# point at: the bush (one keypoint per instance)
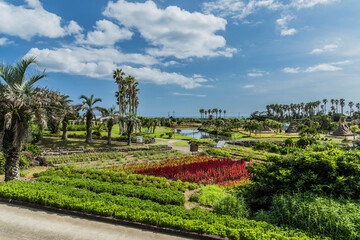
(289, 142)
(302, 142)
(35, 150)
(339, 219)
(208, 195)
(76, 127)
(334, 172)
(231, 205)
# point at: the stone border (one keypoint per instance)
(138, 225)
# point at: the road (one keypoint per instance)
(24, 223)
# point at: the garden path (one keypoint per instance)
(24, 223)
(171, 142)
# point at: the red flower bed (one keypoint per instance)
(199, 169)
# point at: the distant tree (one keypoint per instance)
(130, 120)
(342, 105)
(325, 102)
(351, 105)
(224, 113)
(109, 114)
(88, 107)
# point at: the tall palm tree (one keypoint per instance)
(224, 113)
(209, 112)
(201, 111)
(351, 104)
(88, 107)
(220, 111)
(130, 120)
(357, 106)
(325, 102)
(118, 75)
(337, 105)
(110, 115)
(19, 101)
(342, 105)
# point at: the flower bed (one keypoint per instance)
(201, 169)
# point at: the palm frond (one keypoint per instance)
(20, 69)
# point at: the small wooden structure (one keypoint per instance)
(194, 147)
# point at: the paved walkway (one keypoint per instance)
(23, 223)
(171, 142)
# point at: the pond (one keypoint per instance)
(195, 133)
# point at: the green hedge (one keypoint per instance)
(163, 196)
(223, 226)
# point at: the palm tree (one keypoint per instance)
(357, 106)
(130, 120)
(337, 105)
(220, 111)
(325, 101)
(110, 115)
(68, 112)
(351, 104)
(88, 106)
(201, 113)
(342, 104)
(224, 113)
(118, 75)
(19, 100)
(209, 112)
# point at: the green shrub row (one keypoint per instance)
(163, 196)
(235, 229)
(118, 177)
(336, 218)
(84, 157)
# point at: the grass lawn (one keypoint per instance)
(57, 142)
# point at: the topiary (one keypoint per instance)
(302, 142)
(289, 142)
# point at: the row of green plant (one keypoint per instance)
(158, 154)
(336, 218)
(163, 196)
(195, 220)
(84, 157)
(238, 152)
(118, 177)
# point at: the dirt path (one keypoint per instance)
(23, 223)
(171, 142)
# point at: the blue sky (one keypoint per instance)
(237, 55)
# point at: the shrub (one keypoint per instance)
(231, 205)
(208, 195)
(302, 142)
(334, 172)
(34, 149)
(289, 142)
(339, 219)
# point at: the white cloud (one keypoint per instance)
(283, 24)
(106, 33)
(30, 20)
(187, 94)
(326, 48)
(100, 63)
(248, 86)
(172, 31)
(153, 75)
(310, 3)
(324, 67)
(257, 74)
(238, 9)
(4, 41)
(73, 28)
(291, 70)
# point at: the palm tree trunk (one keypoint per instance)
(88, 130)
(2, 134)
(110, 126)
(12, 159)
(130, 127)
(64, 129)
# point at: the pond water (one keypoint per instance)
(192, 133)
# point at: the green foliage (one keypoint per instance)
(208, 195)
(34, 149)
(289, 142)
(132, 209)
(231, 205)
(76, 128)
(338, 219)
(36, 133)
(302, 142)
(332, 172)
(217, 152)
(200, 142)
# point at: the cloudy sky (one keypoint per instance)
(237, 55)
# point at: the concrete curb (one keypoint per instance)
(143, 226)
